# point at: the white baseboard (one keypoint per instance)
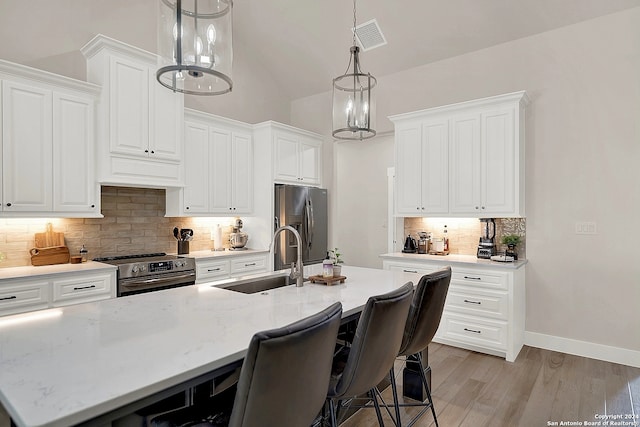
(607, 353)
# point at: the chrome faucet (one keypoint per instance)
(296, 268)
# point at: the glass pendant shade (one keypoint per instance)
(354, 102)
(195, 46)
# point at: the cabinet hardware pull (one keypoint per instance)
(423, 208)
(153, 152)
(483, 207)
(213, 269)
(473, 278)
(79, 288)
(410, 271)
(249, 265)
(6, 298)
(476, 207)
(93, 206)
(8, 204)
(146, 151)
(471, 330)
(187, 207)
(473, 302)
(417, 208)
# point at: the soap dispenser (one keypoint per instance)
(327, 267)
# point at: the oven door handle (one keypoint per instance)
(160, 280)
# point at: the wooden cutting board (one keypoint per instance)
(49, 256)
(49, 238)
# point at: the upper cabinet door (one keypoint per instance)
(73, 159)
(196, 162)
(129, 107)
(242, 173)
(27, 148)
(408, 172)
(221, 169)
(465, 164)
(310, 152)
(498, 161)
(286, 158)
(435, 167)
(166, 114)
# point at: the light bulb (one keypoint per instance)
(211, 34)
(198, 45)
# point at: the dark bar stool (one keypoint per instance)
(375, 346)
(285, 375)
(423, 321)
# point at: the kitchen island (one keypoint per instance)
(98, 361)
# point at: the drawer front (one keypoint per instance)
(244, 265)
(489, 280)
(477, 302)
(471, 330)
(84, 289)
(211, 270)
(410, 268)
(24, 297)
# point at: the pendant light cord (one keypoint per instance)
(354, 22)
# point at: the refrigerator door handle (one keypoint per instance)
(276, 223)
(310, 222)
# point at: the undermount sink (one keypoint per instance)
(260, 284)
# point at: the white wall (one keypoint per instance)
(583, 151)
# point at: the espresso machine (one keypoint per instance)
(487, 244)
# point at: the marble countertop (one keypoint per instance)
(70, 364)
(454, 259)
(41, 270)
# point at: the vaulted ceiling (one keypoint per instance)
(302, 44)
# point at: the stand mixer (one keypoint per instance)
(487, 244)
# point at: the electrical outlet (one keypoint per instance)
(586, 228)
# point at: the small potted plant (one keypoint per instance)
(511, 240)
(335, 256)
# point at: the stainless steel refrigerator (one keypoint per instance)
(305, 209)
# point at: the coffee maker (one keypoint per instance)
(487, 244)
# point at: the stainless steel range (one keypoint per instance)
(151, 272)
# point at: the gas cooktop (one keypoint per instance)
(137, 258)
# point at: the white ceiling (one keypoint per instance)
(305, 43)
(302, 44)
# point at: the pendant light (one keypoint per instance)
(195, 46)
(353, 98)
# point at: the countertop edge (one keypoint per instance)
(466, 260)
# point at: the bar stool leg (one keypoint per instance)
(372, 394)
(427, 388)
(396, 402)
(332, 413)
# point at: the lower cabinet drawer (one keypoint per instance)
(207, 271)
(244, 265)
(408, 268)
(471, 330)
(21, 298)
(72, 291)
(478, 302)
(489, 280)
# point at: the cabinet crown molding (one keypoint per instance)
(100, 42)
(13, 71)
(270, 124)
(191, 114)
(521, 97)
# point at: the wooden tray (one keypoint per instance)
(49, 256)
(327, 280)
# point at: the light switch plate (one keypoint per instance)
(586, 228)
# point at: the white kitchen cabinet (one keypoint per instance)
(462, 160)
(48, 139)
(23, 294)
(297, 156)
(251, 264)
(483, 163)
(421, 167)
(230, 265)
(485, 306)
(218, 168)
(140, 137)
(85, 288)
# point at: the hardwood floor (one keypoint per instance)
(539, 388)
